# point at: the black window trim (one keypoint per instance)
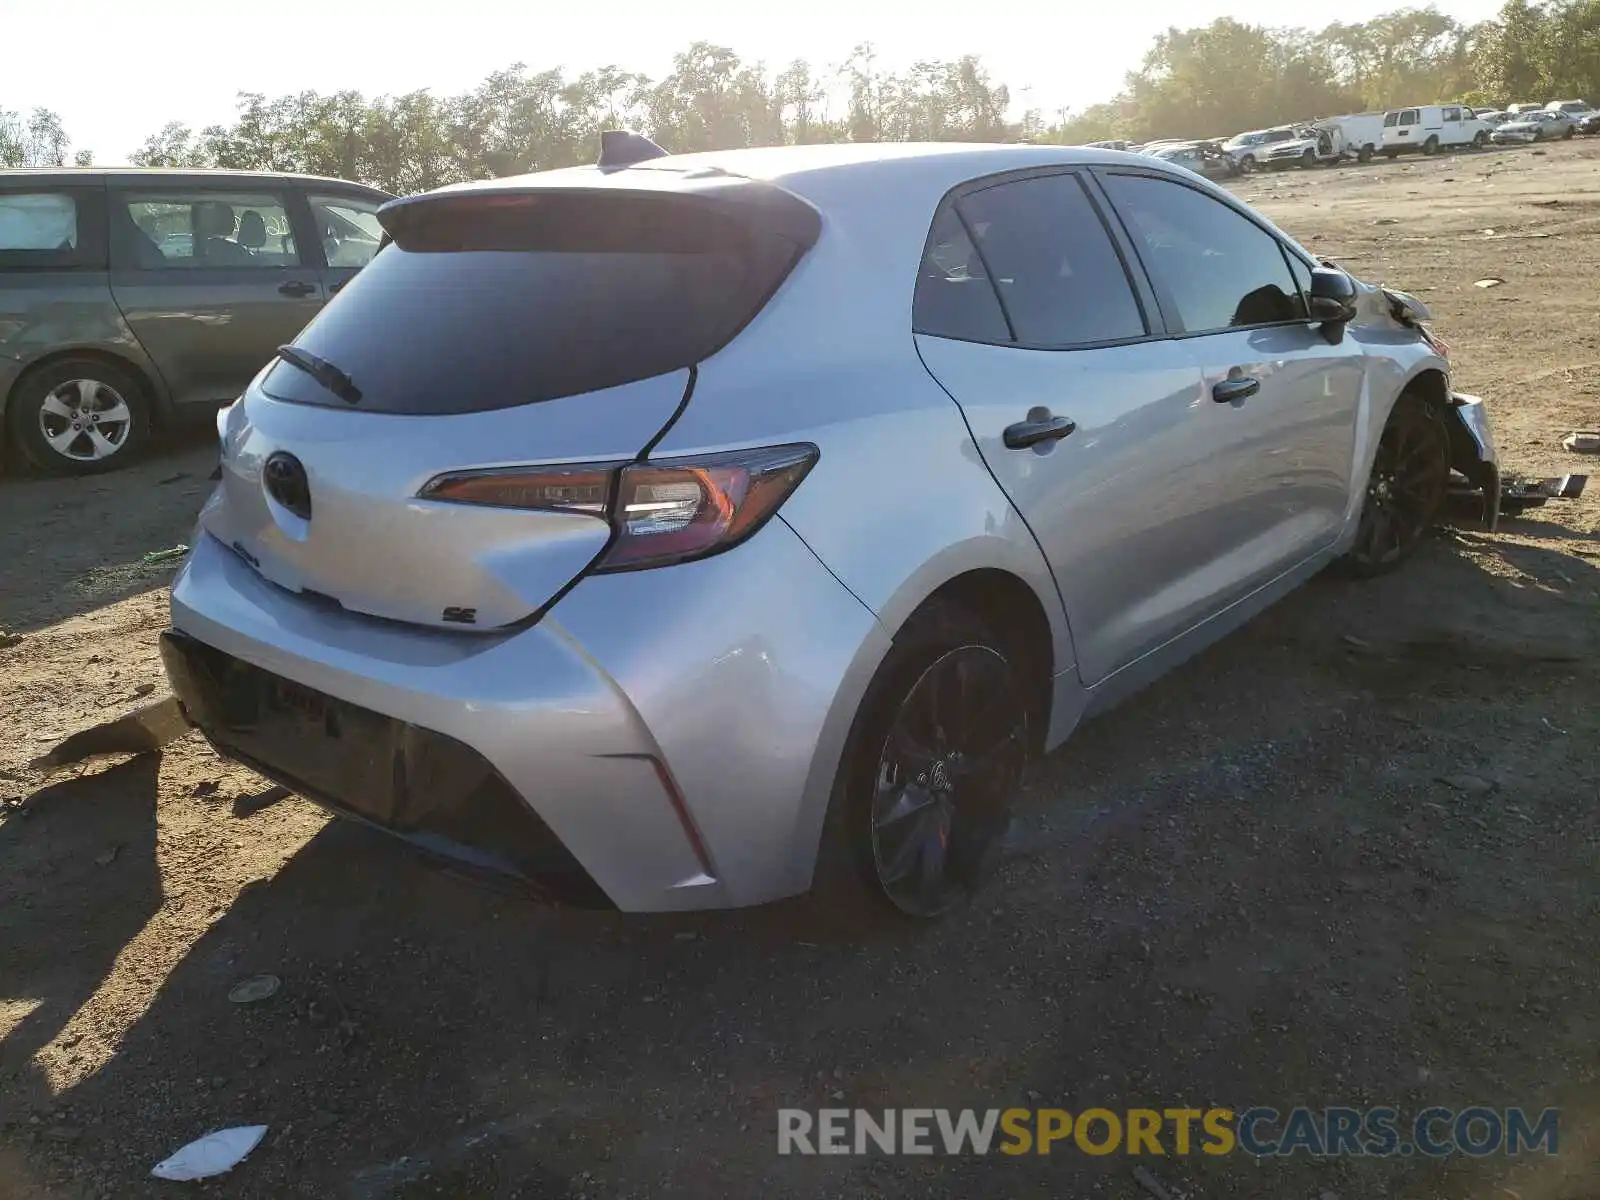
(1168, 306)
(1133, 270)
(282, 189)
(305, 189)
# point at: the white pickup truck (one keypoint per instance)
(1330, 140)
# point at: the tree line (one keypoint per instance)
(1214, 80)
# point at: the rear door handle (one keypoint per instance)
(1230, 390)
(296, 287)
(1030, 433)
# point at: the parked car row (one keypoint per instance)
(1359, 137)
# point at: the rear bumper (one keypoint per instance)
(674, 733)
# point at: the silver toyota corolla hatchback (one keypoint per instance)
(681, 532)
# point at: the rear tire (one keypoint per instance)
(79, 416)
(1431, 146)
(1405, 490)
(1364, 155)
(923, 798)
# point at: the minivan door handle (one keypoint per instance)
(1230, 390)
(1043, 429)
(297, 287)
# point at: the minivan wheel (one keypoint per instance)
(79, 416)
(923, 800)
(1410, 477)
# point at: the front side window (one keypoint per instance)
(1452, 114)
(1054, 265)
(1220, 269)
(348, 228)
(203, 229)
(1409, 117)
(1390, 120)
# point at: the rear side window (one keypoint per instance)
(491, 302)
(1057, 272)
(156, 231)
(1220, 269)
(41, 229)
(955, 297)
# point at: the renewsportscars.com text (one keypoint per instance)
(1434, 1132)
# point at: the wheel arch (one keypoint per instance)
(142, 374)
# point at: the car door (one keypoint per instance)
(347, 230)
(210, 279)
(1453, 131)
(1282, 398)
(1088, 415)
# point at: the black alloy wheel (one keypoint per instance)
(948, 765)
(1410, 476)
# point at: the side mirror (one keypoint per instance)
(1333, 297)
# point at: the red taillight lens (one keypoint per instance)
(662, 511)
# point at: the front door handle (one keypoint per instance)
(1230, 390)
(1030, 433)
(296, 287)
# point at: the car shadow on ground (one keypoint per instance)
(78, 879)
(1253, 902)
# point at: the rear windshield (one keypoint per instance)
(495, 302)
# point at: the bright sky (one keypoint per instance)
(133, 67)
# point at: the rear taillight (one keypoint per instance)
(661, 511)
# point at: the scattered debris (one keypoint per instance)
(1150, 1184)
(1582, 441)
(109, 857)
(9, 639)
(254, 989)
(171, 554)
(144, 689)
(1491, 281)
(141, 731)
(1518, 494)
(688, 935)
(206, 787)
(1351, 640)
(1473, 785)
(215, 1154)
(172, 478)
(248, 806)
(1552, 726)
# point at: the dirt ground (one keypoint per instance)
(1250, 885)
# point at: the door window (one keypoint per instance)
(1390, 120)
(1055, 267)
(1409, 117)
(1220, 269)
(348, 228)
(954, 297)
(1452, 114)
(202, 229)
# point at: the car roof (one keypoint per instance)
(88, 176)
(916, 174)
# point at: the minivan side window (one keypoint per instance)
(1220, 269)
(348, 227)
(1056, 270)
(160, 230)
(39, 229)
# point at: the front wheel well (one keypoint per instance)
(1012, 610)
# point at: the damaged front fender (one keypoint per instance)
(1473, 453)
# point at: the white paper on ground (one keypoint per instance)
(211, 1155)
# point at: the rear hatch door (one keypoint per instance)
(501, 328)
